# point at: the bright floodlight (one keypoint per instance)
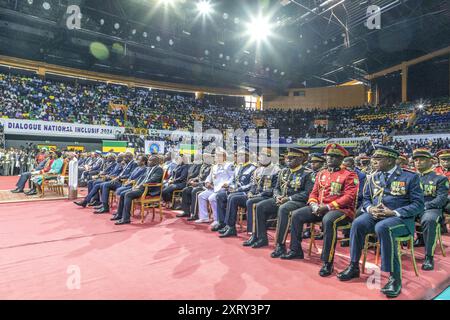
(259, 28)
(420, 106)
(204, 7)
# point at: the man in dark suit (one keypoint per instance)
(393, 198)
(115, 183)
(177, 180)
(153, 174)
(26, 176)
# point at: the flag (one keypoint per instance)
(115, 146)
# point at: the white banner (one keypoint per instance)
(154, 147)
(59, 129)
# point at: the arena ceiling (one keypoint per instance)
(262, 44)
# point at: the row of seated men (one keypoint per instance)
(389, 200)
(48, 168)
(386, 202)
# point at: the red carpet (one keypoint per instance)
(169, 260)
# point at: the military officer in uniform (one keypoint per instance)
(435, 188)
(444, 169)
(332, 202)
(393, 198)
(229, 198)
(263, 181)
(291, 192)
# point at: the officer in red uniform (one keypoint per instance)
(332, 201)
(444, 169)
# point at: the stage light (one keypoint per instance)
(259, 28)
(420, 106)
(46, 5)
(204, 7)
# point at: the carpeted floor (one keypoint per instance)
(8, 183)
(46, 246)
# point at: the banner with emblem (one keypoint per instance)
(154, 147)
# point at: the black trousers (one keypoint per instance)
(330, 221)
(168, 191)
(194, 206)
(125, 202)
(251, 208)
(24, 177)
(186, 199)
(235, 201)
(284, 219)
(268, 209)
(429, 221)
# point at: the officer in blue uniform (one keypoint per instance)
(229, 198)
(435, 189)
(393, 198)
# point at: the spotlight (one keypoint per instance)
(46, 5)
(259, 29)
(204, 7)
(420, 106)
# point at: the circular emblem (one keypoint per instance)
(154, 148)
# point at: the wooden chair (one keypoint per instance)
(438, 236)
(400, 240)
(146, 201)
(175, 194)
(312, 241)
(241, 213)
(112, 194)
(367, 244)
(50, 180)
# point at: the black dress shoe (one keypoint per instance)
(393, 288)
(428, 264)
(120, 222)
(17, 191)
(100, 206)
(218, 227)
(260, 243)
(345, 243)
(280, 249)
(326, 270)
(231, 232)
(307, 234)
(419, 242)
(31, 193)
(250, 241)
(101, 211)
(183, 215)
(350, 273)
(94, 204)
(192, 218)
(293, 255)
(224, 229)
(115, 218)
(80, 203)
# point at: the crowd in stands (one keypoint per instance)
(24, 97)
